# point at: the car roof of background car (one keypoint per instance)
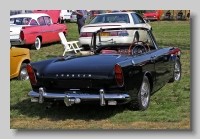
(32, 15)
(117, 13)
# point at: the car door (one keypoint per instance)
(45, 30)
(161, 58)
(53, 29)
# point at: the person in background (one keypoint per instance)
(115, 11)
(26, 21)
(61, 20)
(188, 16)
(180, 14)
(80, 19)
(168, 14)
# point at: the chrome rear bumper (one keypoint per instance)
(71, 98)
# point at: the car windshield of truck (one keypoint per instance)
(110, 18)
(20, 21)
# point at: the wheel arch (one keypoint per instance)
(19, 66)
(40, 37)
(26, 61)
(150, 78)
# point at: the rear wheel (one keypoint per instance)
(37, 44)
(177, 70)
(23, 75)
(143, 99)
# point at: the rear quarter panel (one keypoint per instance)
(56, 29)
(30, 33)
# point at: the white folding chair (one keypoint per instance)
(69, 46)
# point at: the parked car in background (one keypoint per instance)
(36, 28)
(21, 20)
(66, 14)
(73, 17)
(152, 15)
(19, 58)
(114, 74)
(118, 19)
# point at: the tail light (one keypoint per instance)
(31, 74)
(119, 75)
(86, 34)
(21, 35)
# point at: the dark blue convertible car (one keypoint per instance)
(112, 73)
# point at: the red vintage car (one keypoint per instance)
(45, 30)
(152, 15)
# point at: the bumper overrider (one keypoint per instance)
(17, 42)
(76, 98)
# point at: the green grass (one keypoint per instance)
(169, 107)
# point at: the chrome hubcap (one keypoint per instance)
(24, 74)
(144, 94)
(177, 72)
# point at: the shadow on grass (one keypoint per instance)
(61, 112)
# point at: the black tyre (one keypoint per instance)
(143, 99)
(177, 71)
(37, 44)
(23, 75)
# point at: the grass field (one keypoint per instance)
(169, 107)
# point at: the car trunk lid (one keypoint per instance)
(77, 67)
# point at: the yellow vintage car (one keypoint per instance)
(19, 57)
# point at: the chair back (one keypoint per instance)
(62, 38)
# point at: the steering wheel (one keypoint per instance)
(129, 49)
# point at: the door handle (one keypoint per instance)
(153, 58)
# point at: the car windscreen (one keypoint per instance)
(123, 36)
(20, 20)
(111, 18)
(131, 41)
